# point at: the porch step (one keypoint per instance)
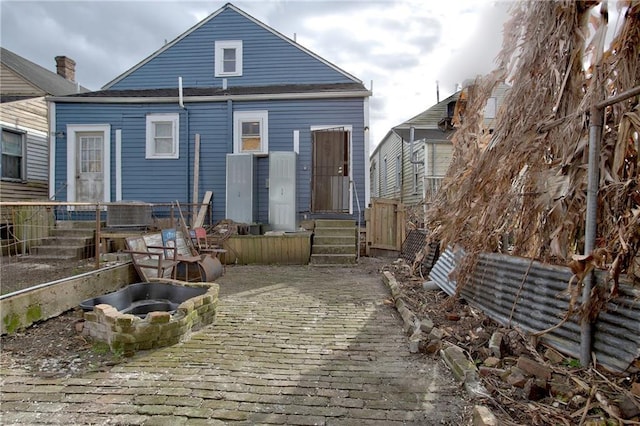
(333, 259)
(70, 240)
(334, 242)
(61, 252)
(333, 249)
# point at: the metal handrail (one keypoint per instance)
(355, 191)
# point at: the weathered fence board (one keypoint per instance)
(385, 227)
(284, 249)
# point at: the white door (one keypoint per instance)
(89, 166)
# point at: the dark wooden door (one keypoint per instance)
(330, 178)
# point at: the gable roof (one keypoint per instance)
(227, 6)
(427, 124)
(47, 81)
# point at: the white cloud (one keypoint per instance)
(404, 46)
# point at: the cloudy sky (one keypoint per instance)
(401, 46)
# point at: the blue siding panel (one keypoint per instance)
(267, 59)
(163, 181)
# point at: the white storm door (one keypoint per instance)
(89, 167)
(88, 163)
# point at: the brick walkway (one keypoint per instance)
(291, 345)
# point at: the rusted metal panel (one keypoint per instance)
(531, 295)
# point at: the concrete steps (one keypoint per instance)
(70, 240)
(334, 242)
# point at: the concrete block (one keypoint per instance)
(534, 368)
(482, 416)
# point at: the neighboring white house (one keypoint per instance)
(24, 122)
(410, 162)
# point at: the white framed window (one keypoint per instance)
(228, 58)
(162, 136)
(13, 155)
(251, 132)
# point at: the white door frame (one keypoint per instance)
(72, 130)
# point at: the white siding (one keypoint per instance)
(390, 148)
(30, 114)
(13, 84)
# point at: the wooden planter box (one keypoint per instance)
(286, 249)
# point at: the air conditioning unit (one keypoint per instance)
(131, 214)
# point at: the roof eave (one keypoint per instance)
(200, 99)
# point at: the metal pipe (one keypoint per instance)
(545, 126)
(595, 136)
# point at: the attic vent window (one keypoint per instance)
(228, 58)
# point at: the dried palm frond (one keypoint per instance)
(523, 187)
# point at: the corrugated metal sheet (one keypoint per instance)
(531, 295)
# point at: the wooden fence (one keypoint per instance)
(385, 225)
(286, 249)
(23, 227)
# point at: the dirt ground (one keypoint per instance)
(56, 348)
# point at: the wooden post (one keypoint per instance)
(196, 177)
(98, 251)
(199, 221)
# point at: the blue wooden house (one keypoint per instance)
(282, 133)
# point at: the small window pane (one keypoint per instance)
(12, 151)
(251, 140)
(250, 128)
(229, 60)
(164, 146)
(164, 129)
(90, 154)
(11, 143)
(164, 137)
(251, 144)
(11, 167)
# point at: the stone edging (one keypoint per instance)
(128, 333)
(424, 337)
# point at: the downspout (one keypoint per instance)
(595, 137)
(230, 126)
(417, 162)
(181, 104)
(401, 165)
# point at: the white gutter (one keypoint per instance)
(52, 149)
(221, 98)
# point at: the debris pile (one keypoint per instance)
(522, 381)
(521, 189)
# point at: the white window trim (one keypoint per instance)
(72, 129)
(150, 146)
(263, 118)
(219, 57)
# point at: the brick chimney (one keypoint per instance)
(66, 67)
